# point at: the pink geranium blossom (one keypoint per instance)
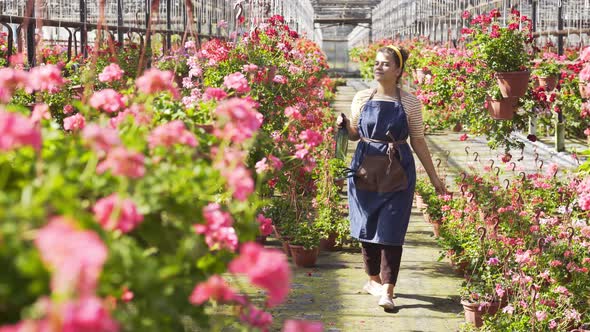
(136, 112)
(311, 138)
(107, 100)
(113, 212)
(240, 118)
(68, 109)
(214, 93)
(123, 162)
(280, 79)
(11, 80)
(256, 317)
(171, 133)
(240, 182)
(236, 81)
(46, 78)
(215, 288)
(250, 68)
(155, 80)
(218, 230)
(87, 314)
(585, 73)
(585, 54)
(293, 112)
(74, 122)
(40, 111)
(18, 131)
(101, 139)
(265, 225)
(111, 73)
(266, 268)
(302, 326)
(76, 256)
(261, 166)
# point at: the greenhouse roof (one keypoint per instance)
(343, 11)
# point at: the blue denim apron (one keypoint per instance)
(382, 217)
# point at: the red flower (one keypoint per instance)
(506, 158)
(532, 138)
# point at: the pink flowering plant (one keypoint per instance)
(503, 49)
(528, 249)
(155, 195)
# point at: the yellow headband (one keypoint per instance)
(399, 55)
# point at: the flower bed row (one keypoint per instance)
(122, 208)
(522, 242)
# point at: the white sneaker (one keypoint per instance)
(386, 302)
(373, 288)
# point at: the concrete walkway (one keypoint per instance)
(427, 289)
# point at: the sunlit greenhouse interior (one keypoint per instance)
(294, 165)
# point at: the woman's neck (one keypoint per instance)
(388, 90)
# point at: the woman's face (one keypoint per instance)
(385, 69)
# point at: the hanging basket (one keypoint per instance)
(513, 84)
(548, 83)
(502, 109)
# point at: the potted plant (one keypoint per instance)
(432, 204)
(504, 49)
(328, 203)
(304, 244)
(548, 71)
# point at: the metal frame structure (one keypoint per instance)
(440, 20)
(129, 18)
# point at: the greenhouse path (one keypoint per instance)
(427, 289)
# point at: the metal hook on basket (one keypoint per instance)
(476, 156)
(483, 232)
(571, 230)
(507, 182)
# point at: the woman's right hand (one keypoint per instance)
(342, 121)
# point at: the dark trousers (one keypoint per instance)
(382, 259)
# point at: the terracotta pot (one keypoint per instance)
(458, 127)
(584, 92)
(329, 243)
(419, 201)
(513, 84)
(436, 227)
(304, 257)
(474, 316)
(426, 216)
(502, 109)
(548, 83)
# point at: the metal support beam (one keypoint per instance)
(559, 27)
(84, 29)
(120, 22)
(31, 34)
(168, 44)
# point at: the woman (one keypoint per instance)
(380, 219)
